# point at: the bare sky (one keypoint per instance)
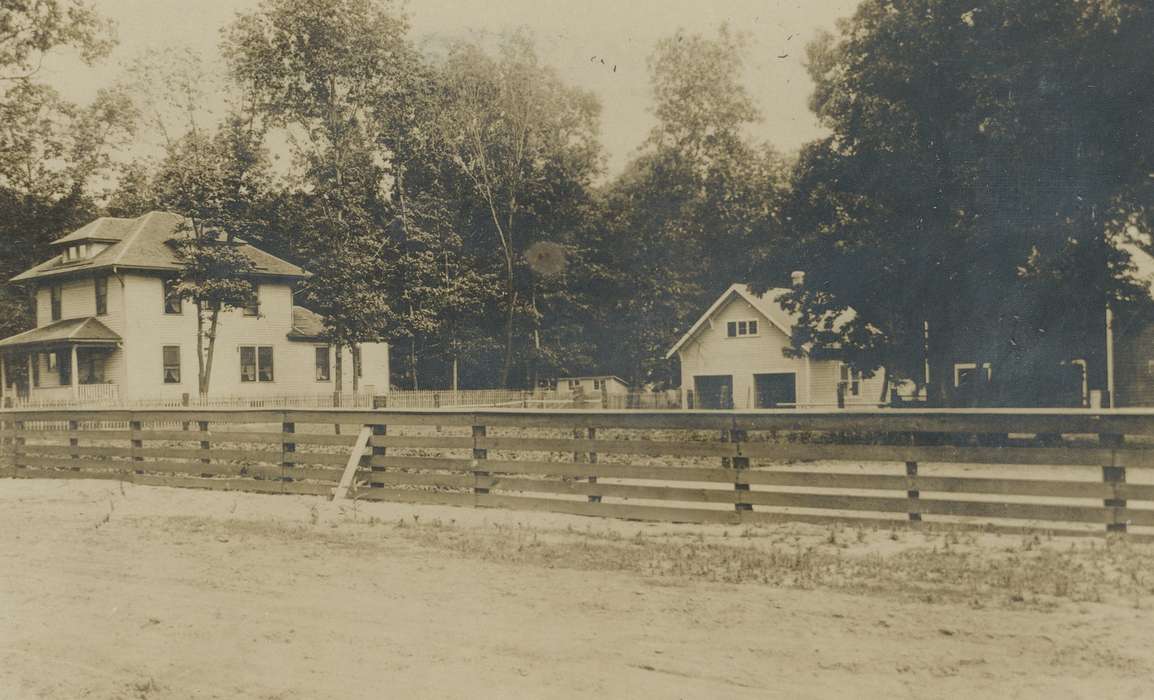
(574, 36)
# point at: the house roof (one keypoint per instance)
(307, 325)
(80, 331)
(765, 304)
(143, 243)
(594, 376)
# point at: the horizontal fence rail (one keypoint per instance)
(1071, 472)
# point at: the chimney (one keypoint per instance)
(797, 277)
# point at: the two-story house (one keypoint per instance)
(108, 328)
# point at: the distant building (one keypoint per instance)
(732, 357)
(108, 330)
(605, 383)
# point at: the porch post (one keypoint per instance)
(75, 375)
(32, 357)
(3, 377)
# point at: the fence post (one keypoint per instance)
(912, 492)
(18, 442)
(479, 455)
(589, 457)
(73, 442)
(134, 426)
(288, 448)
(205, 444)
(1115, 476)
(740, 464)
(378, 451)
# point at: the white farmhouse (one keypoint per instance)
(107, 330)
(733, 357)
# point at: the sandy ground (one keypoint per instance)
(143, 592)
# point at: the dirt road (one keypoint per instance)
(148, 592)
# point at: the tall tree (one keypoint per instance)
(52, 153)
(526, 145)
(686, 218)
(320, 69)
(984, 157)
(215, 181)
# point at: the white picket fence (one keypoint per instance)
(400, 399)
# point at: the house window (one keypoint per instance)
(741, 329)
(57, 294)
(357, 361)
(252, 308)
(573, 384)
(264, 364)
(851, 378)
(36, 369)
(172, 301)
(596, 385)
(171, 364)
(101, 295)
(323, 364)
(256, 363)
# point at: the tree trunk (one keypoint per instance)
(356, 368)
(507, 362)
(204, 355)
(338, 373)
(201, 376)
(413, 362)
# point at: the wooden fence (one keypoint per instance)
(1072, 472)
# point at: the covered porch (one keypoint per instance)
(66, 362)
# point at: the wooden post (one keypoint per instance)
(590, 456)
(1115, 476)
(137, 442)
(17, 447)
(288, 449)
(480, 454)
(205, 444)
(75, 375)
(378, 451)
(912, 492)
(740, 464)
(73, 442)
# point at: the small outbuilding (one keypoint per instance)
(734, 357)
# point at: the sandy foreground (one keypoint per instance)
(110, 591)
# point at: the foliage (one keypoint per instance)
(983, 161)
(526, 146)
(690, 213)
(53, 154)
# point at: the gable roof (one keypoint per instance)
(143, 244)
(765, 304)
(71, 330)
(594, 376)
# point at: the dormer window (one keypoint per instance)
(741, 329)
